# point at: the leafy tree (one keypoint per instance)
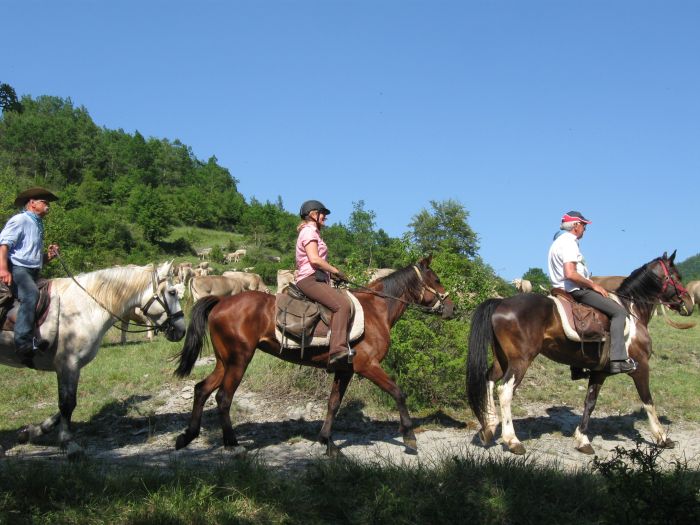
(539, 280)
(690, 268)
(149, 211)
(8, 99)
(444, 228)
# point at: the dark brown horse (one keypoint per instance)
(520, 327)
(241, 323)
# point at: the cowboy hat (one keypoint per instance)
(34, 193)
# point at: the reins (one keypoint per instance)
(147, 328)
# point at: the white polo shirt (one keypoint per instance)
(565, 249)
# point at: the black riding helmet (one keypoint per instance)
(312, 205)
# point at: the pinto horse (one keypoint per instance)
(240, 324)
(520, 327)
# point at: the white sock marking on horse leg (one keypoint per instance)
(656, 429)
(580, 438)
(505, 397)
(491, 414)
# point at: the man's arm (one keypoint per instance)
(572, 275)
(5, 275)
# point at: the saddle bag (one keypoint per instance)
(296, 318)
(590, 324)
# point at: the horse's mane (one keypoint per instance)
(112, 287)
(641, 286)
(396, 283)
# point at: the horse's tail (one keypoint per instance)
(480, 339)
(196, 332)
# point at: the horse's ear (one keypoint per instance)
(664, 256)
(673, 256)
(427, 260)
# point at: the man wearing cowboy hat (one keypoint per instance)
(567, 270)
(21, 258)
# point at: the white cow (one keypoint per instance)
(694, 291)
(522, 285)
(379, 273)
(249, 281)
(284, 277)
(204, 253)
(223, 285)
(235, 256)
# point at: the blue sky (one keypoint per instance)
(519, 110)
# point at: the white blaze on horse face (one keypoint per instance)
(505, 397)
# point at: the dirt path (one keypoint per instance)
(284, 436)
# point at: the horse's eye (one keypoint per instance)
(172, 292)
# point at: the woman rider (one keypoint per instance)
(313, 272)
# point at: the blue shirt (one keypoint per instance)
(23, 235)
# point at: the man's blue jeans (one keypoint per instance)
(24, 284)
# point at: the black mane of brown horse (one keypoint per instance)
(521, 327)
(240, 324)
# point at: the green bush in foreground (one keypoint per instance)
(630, 488)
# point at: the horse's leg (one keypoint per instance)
(224, 397)
(202, 391)
(341, 380)
(595, 383)
(379, 377)
(31, 432)
(125, 327)
(488, 430)
(511, 380)
(641, 381)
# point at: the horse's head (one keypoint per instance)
(161, 304)
(433, 294)
(673, 294)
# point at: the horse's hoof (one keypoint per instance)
(668, 443)
(486, 437)
(74, 452)
(517, 448)
(411, 445)
(182, 441)
(333, 451)
(230, 441)
(236, 451)
(23, 435)
(586, 449)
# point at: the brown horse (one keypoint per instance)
(241, 323)
(520, 327)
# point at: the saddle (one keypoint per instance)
(9, 305)
(590, 324)
(301, 322)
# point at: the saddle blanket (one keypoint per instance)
(571, 333)
(355, 332)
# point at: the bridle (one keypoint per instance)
(678, 287)
(171, 317)
(439, 303)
